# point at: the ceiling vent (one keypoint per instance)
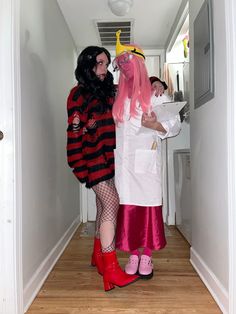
(107, 32)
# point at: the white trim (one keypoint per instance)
(212, 283)
(83, 203)
(230, 9)
(11, 301)
(165, 200)
(178, 23)
(35, 283)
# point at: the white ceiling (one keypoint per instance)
(152, 20)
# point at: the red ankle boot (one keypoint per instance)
(113, 275)
(97, 256)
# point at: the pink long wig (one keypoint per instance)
(140, 91)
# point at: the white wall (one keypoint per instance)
(181, 141)
(50, 190)
(175, 59)
(208, 141)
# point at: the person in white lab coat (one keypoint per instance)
(138, 166)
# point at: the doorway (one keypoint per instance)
(10, 11)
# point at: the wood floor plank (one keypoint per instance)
(74, 287)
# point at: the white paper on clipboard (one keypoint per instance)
(168, 110)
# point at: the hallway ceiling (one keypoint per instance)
(150, 20)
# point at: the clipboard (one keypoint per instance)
(169, 110)
(173, 107)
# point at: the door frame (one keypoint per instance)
(230, 9)
(11, 286)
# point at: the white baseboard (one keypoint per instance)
(35, 283)
(212, 283)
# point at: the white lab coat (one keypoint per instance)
(138, 168)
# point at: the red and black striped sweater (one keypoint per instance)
(90, 140)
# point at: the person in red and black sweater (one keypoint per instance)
(90, 152)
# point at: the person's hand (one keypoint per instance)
(76, 123)
(149, 120)
(76, 120)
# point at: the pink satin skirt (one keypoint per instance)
(138, 227)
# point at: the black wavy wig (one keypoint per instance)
(88, 82)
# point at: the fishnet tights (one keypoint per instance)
(107, 202)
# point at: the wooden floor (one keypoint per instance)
(74, 286)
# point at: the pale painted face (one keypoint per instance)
(158, 88)
(100, 68)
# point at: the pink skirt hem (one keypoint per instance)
(140, 226)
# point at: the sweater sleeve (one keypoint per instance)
(77, 120)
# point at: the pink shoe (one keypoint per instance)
(145, 270)
(131, 267)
